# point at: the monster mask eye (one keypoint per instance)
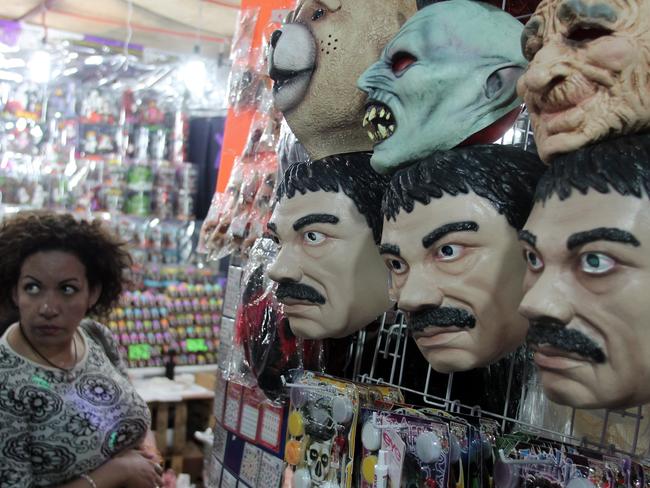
(587, 32)
(318, 13)
(531, 38)
(401, 61)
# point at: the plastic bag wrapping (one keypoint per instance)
(536, 409)
(238, 216)
(592, 427)
(245, 28)
(253, 209)
(264, 348)
(265, 128)
(220, 214)
(289, 148)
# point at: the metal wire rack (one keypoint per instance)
(389, 357)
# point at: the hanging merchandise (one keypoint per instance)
(425, 307)
(247, 78)
(315, 60)
(238, 216)
(484, 218)
(265, 349)
(321, 431)
(333, 206)
(462, 90)
(610, 103)
(414, 451)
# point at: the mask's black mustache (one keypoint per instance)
(555, 334)
(441, 317)
(299, 292)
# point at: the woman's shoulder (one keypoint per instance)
(102, 336)
(9, 359)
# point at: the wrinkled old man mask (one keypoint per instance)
(586, 288)
(450, 242)
(327, 222)
(588, 73)
(450, 72)
(315, 61)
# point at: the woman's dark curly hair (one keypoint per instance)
(103, 255)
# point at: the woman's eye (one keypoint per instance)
(396, 265)
(313, 238)
(449, 252)
(31, 288)
(68, 289)
(534, 262)
(318, 14)
(596, 263)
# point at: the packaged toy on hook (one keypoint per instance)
(321, 431)
(404, 450)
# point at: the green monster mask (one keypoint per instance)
(448, 74)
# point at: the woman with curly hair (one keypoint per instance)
(69, 417)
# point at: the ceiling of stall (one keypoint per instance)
(170, 25)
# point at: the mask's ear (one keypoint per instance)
(503, 81)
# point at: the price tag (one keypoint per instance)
(219, 397)
(225, 342)
(228, 480)
(270, 429)
(233, 407)
(250, 415)
(233, 292)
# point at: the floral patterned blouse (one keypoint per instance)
(54, 428)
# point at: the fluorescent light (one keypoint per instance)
(11, 76)
(94, 60)
(70, 71)
(40, 66)
(10, 63)
(195, 76)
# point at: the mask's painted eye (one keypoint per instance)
(401, 61)
(313, 238)
(596, 263)
(318, 14)
(396, 265)
(586, 33)
(449, 252)
(533, 260)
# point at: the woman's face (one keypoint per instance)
(53, 295)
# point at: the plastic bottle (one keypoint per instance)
(381, 471)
